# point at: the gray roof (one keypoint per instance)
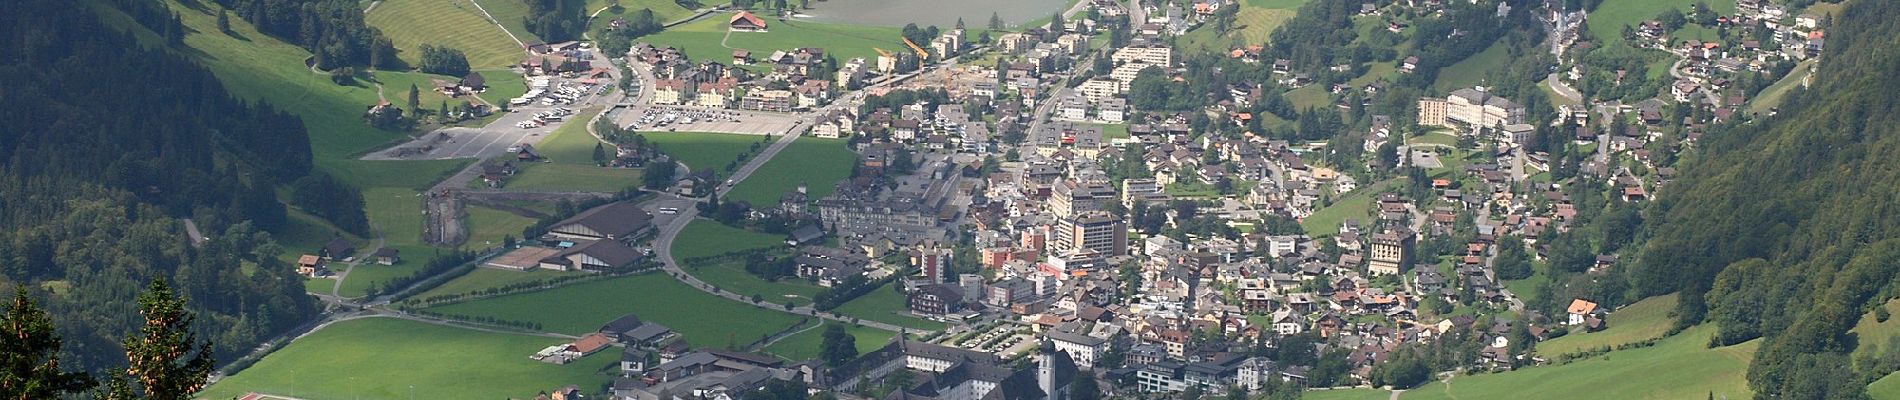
(615, 219)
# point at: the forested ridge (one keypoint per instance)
(106, 145)
(1787, 228)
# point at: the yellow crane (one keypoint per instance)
(882, 52)
(921, 54)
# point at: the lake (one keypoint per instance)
(942, 13)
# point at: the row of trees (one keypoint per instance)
(443, 60)
(556, 20)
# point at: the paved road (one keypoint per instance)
(1563, 89)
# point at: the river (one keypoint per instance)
(943, 13)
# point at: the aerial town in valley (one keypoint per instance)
(1183, 199)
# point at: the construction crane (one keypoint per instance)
(882, 52)
(921, 54)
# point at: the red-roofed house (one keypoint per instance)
(746, 22)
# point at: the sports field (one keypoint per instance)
(816, 162)
(386, 358)
(704, 150)
(458, 24)
(706, 39)
(1679, 367)
(582, 308)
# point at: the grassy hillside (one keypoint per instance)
(453, 23)
(1643, 320)
(1252, 24)
(1609, 18)
(1470, 72)
(1680, 367)
(886, 305)
(386, 358)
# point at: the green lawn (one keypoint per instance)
(707, 238)
(1325, 221)
(397, 213)
(502, 85)
(885, 305)
(1679, 367)
(487, 226)
(484, 278)
(817, 163)
(396, 88)
(571, 143)
(409, 24)
(1526, 289)
(1636, 322)
(1608, 20)
(1276, 4)
(804, 345)
(385, 358)
(1113, 131)
(1252, 25)
(705, 320)
(1887, 388)
(703, 150)
(702, 39)
(1470, 71)
(1309, 96)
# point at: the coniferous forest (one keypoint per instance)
(1782, 228)
(108, 147)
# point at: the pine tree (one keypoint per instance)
(29, 357)
(415, 97)
(224, 21)
(996, 21)
(600, 153)
(165, 358)
(959, 22)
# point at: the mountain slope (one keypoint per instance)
(1785, 228)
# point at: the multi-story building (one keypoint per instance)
(1070, 197)
(1391, 251)
(1153, 55)
(669, 91)
(1084, 349)
(1096, 231)
(1471, 106)
(768, 100)
(1098, 89)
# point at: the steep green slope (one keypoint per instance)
(1786, 228)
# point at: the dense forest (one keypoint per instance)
(108, 144)
(332, 30)
(1786, 228)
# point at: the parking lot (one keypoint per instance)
(701, 119)
(521, 124)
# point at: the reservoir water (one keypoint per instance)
(942, 13)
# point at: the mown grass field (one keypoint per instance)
(1643, 320)
(512, 15)
(1871, 330)
(571, 143)
(1679, 367)
(702, 39)
(1255, 21)
(1608, 20)
(816, 162)
(705, 320)
(805, 345)
(885, 305)
(409, 24)
(503, 84)
(397, 213)
(485, 278)
(383, 358)
(1886, 388)
(704, 150)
